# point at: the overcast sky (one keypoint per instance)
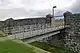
(35, 8)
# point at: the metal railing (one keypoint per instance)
(30, 33)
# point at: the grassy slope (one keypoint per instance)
(12, 47)
(8, 46)
(15, 46)
(36, 49)
(50, 48)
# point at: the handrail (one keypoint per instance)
(34, 33)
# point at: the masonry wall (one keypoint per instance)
(25, 25)
(57, 39)
(72, 35)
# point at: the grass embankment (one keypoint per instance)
(11, 46)
(50, 48)
(14, 46)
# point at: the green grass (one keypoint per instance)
(11, 46)
(50, 48)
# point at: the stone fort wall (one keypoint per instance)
(12, 26)
(72, 35)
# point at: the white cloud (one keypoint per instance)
(24, 8)
(36, 4)
(9, 4)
